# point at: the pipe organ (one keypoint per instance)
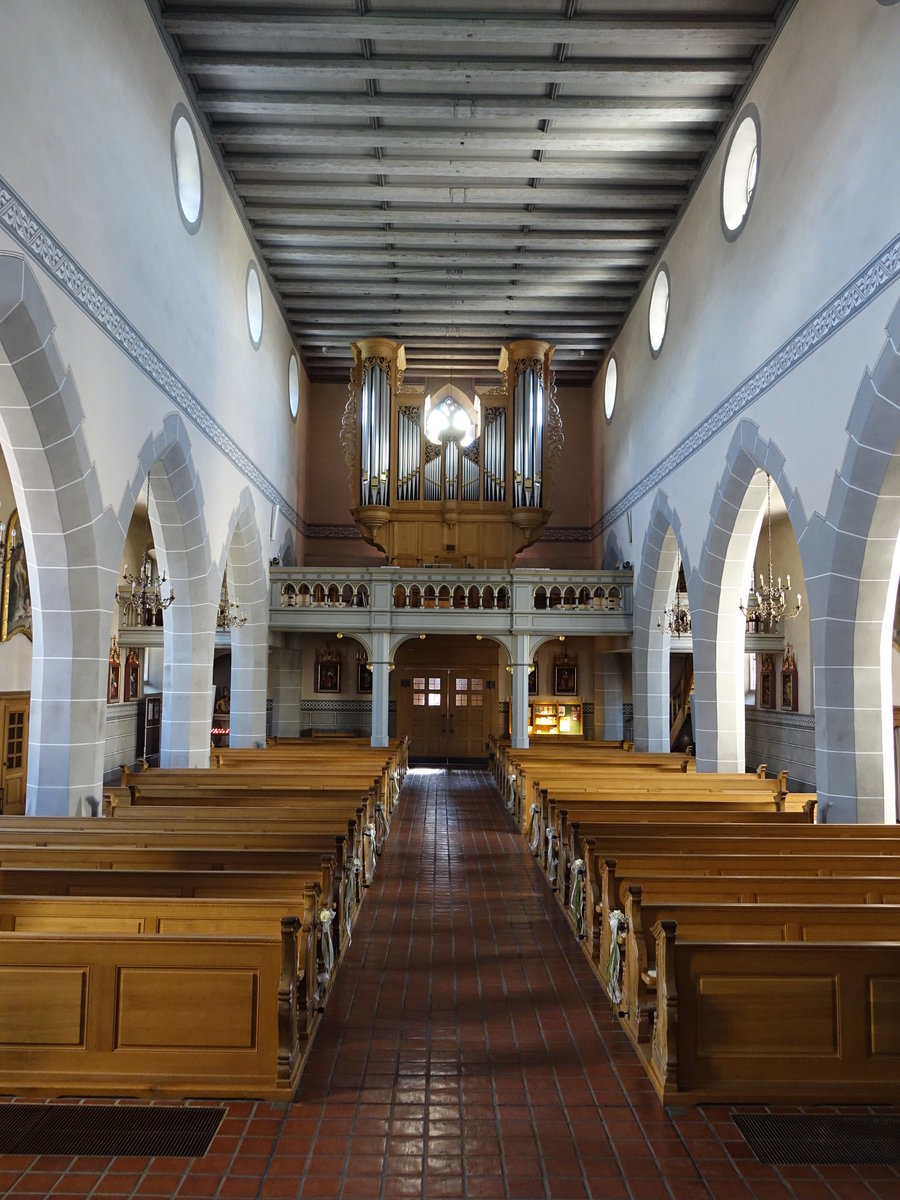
(451, 476)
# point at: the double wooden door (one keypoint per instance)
(14, 708)
(447, 711)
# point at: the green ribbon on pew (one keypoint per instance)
(381, 827)
(326, 916)
(395, 786)
(531, 831)
(614, 966)
(370, 849)
(349, 885)
(577, 902)
(552, 856)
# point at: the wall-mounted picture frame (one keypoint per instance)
(533, 680)
(789, 680)
(16, 591)
(112, 684)
(767, 682)
(363, 678)
(328, 675)
(565, 680)
(132, 686)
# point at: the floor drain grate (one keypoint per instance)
(145, 1130)
(836, 1139)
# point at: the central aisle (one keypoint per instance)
(467, 1049)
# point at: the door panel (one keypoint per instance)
(14, 710)
(446, 711)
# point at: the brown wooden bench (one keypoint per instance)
(188, 1015)
(808, 1023)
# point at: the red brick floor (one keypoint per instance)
(467, 1051)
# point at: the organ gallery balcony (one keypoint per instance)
(451, 600)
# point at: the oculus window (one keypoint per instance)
(739, 177)
(186, 169)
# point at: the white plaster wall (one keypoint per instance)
(90, 153)
(824, 206)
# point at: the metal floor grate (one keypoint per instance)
(833, 1140)
(107, 1129)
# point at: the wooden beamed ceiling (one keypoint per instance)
(454, 175)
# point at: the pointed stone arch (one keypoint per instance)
(663, 544)
(180, 537)
(248, 580)
(852, 586)
(69, 542)
(717, 625)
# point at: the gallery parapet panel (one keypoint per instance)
(450, 599)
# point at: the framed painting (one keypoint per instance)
(112, 686)
(328, 675)
(533, 680)
(132, 676)
(364, 678)
(767, 682)
(566, 680)
(16, 592)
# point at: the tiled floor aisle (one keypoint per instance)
(467, 1051)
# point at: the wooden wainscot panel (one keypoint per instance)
(172, 1008)
(884, 1015)
(741, 1016)
(63, 922)
(42, 1006)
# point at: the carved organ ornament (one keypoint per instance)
(451, 476)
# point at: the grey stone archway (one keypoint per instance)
(852, 586)
(182, 545)
(717, 625)
(650, 646)
(69, 542)
(248, 580)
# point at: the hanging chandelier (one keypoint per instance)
(677, 619)
(767, 604)
(143, 600)
(229, 615)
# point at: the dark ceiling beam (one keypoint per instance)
(412, 280)
(616, 112)
(451, 140)
(642, 75)
(603, 170)
(409, 220)
(436, 238)
(605, 266)
(594, 197)
(651, 33)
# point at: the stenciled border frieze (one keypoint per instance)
(781, 717)
(562, 533)
(48, 252)
(870, 282)
(333, 531)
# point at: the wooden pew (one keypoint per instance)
(810, 1023)
(175, 1016)
(604, 877)
(705, 920)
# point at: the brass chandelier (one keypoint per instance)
(229, 615)
(144, 596)
(677, 619)
(767, 604)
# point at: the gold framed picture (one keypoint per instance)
(16, 591)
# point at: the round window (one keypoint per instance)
(610, 386)
(254, 306)
(294, 386)
(658, 317)
(186, 169)
(740, 174)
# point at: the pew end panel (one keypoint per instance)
(174, 1016)
(810, 1023)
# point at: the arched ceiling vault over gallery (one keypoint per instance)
(457, 175)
